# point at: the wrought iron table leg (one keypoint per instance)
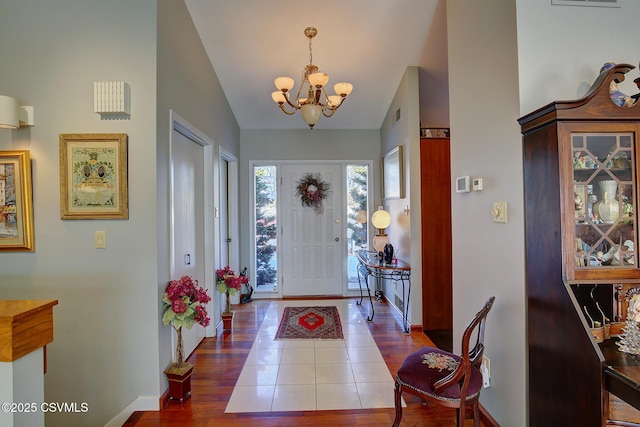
(405, 309)
(366, 279)
(359, 285)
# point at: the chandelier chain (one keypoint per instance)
(310, 52)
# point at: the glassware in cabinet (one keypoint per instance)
(604, 192)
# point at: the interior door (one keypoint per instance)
(188, 220)
(312, 240)
(224, 213)
(225, 236)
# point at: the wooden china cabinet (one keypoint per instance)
(581, 192)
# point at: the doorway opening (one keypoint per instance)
(312, 251)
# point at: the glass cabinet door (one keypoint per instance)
(604, 187)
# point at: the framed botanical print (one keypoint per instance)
(93, 176)
(392, 174)
(16, 201)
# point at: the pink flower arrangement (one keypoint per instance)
(184, 304)
(228, 282)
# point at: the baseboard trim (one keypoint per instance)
(486, 418)
(142, 403)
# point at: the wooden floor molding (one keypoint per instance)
(218, 362)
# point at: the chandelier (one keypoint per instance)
(317, 102)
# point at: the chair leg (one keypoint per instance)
(476, 414)
(398, 403)
(461, 411)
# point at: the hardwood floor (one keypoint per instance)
(219, 362)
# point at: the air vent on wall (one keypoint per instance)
(603, 3)
(395, 117)
(111, 98)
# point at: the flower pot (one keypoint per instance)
(227, 321)
(179, 381)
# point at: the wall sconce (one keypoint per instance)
(13, 115)
(380, 220)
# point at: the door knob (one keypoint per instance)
(337, 239)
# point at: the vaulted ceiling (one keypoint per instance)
(366, 42)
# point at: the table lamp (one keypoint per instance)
(380, 220)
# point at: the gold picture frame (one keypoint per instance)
(93, 176)
(16, 201)
(393, 174)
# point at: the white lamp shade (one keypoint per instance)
(311, 113)
(318, 79)
(284, 83)
(334, 100)
(9, 112)
(278, 97)
(343, 88)
(381, 219)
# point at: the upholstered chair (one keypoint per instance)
(444, 378)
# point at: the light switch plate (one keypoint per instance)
(100, 239)
(499, 212)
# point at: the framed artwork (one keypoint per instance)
(16, 202)
(93, 176)
(392, 174)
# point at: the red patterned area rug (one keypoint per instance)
(308, 323)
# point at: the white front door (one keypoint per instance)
(312, 240)
(188, 220)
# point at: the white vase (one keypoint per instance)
(608, 207)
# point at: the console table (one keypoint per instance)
(371, 266)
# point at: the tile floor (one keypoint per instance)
(303, 375)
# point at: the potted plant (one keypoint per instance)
(183, 306)
(229, 283)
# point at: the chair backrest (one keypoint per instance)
(470, 357)
(478, 323)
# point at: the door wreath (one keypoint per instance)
(312, 190)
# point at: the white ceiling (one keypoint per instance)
(366, 42)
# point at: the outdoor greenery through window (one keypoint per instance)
(357, 218)
(266, 257)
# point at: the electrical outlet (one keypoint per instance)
(485, 369)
